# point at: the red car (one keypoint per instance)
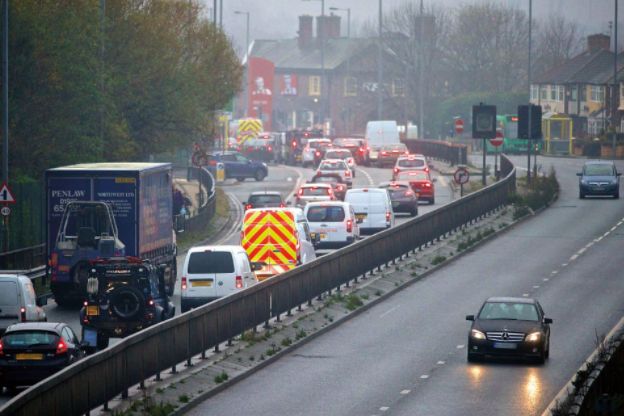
(421, 183)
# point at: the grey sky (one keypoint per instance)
(272, 19)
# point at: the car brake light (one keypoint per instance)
(396, 170)
(54, 260)
(294, 143)
(329, 191)
(270, 149)
(361, 150)
(384, 153)
(23, 313)
(339, 188)
(150, 302)
(426, 169)
(427, 185)
(61, 347)
(1, 348)
(387, 215)
(408, 193)
(318, 153)
(348, 173)
(300, 192)
(184, 286)
(248, 206)
(239, 282)
(349, 226)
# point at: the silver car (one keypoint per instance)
(336, 167)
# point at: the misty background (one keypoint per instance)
(274, 19)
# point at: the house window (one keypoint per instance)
(573, 94)
(398, 88)
(544, 92)
(621, 92)
(597, 93)
(560, 92)
(553, 93)
(583, 93)
(534, 92)
(350, 87)
(314, 85)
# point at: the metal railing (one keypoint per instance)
(25, 258)
(207, 207)
(453, 153)
(99, 378)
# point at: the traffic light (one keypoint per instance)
(483, 121)
(536, 122)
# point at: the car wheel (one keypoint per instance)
(260, 175)
(581, 195)
(472, 358)
(432, 201)
(102, 341)
(547, 353)
(414, 212)
(616, 195)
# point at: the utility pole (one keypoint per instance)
(5, 91)
(348, 10)
(421, 83)
(380, 66)
(615, 89)
(221, 14)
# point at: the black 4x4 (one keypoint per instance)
(124, 295)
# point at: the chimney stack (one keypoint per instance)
(597, 42)
(327, 27)
(305, 31)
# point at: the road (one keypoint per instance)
(407, 356)
(284, 179)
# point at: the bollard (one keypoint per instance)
(124, 394)
(229, 343)
(174, 370)
(216, 348)
(156, 379)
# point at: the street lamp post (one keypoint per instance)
(247, 81)
(379, 66)
(529, 142)
(348, 10)
(323, 89)
(615, 83)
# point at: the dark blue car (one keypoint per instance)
(599, 177)
(237, 166)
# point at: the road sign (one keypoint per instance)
(459, 126)
(199, 159)
(6, 197)
(461, 176)
(483, 121)
(498, 140)
(5, 211)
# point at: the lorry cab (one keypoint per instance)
(380, 133)
(278, 238)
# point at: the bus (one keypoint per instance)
(508, 123)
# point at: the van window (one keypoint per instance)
(211, 262)
(8, 294)
(315, 191)
(329, 214)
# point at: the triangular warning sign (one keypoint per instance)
(5, 195)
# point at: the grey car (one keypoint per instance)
(599, 177)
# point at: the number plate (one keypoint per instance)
(93, 310)
(505, 345)
(201, 283)
(323, 236)
(360, 216)
(395, 203)
(28, 356)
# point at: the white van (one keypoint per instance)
(373, 207)
(211, 272)
(334, 222)
(18, 302)
(379, 133)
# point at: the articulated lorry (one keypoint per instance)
(103, 210)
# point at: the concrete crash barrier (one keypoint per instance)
(99, 378)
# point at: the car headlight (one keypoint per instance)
(264, 164)
(476, 334)
(533, 337)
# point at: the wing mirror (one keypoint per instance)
(257, 265)
(548, 321)
(434, 179)
(579, 174)
(470, 317)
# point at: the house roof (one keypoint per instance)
(286, 53)
(569, 69)
(585, 68)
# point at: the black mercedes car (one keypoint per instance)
(403, 198)
(599, 177)
(514, 327)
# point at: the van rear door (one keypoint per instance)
(207, 272)
(9, 303)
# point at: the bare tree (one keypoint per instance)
(558, 39)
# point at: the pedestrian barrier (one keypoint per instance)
(97, 379)
(453, 153)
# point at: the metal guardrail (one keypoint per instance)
(207, 208)
(25, 258)
(453, 153)
(99, 378)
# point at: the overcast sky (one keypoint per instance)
(274, 19)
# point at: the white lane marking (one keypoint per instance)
(441, 363)
(442, 180)
(564, 264)
(238, 218)
(389, 311)
(614, 227)
(371, 182)
(546, 279)
(526, 295)
(581, 251)
(424, 376)
(554, 272)
(535, 286)
(460, 346)
(573, 257)
(297, 182)
(405, 392)
(384, 408)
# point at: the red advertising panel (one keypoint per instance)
(288, 84)
(261, 72)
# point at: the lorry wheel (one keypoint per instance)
(240, 179)
(260, 175)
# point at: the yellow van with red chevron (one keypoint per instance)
(279, 238)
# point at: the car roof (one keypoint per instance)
(599, 162)
(214, 248)
(30, 326)
(361, 190)
(324, 203)
(392, 183)
(265, 193)
(332, 160)
(508, 299)
(316, 185)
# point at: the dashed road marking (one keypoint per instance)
(460, 346)
(441, 362)
(389, 311)
(573, 257)
(424, 376)
(404, 392)
(535, 286)
(554, 272)
(384, 408)
(371, 182)
(545, 279)
(442, 180)
(564, 264)
(526, 295)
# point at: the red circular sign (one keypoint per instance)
(459, 126)
(498, 140)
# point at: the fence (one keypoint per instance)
(454, 153)
(97, 379)
(207, 208)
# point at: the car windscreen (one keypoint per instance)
(8, 294)
(265, 199)
(395, 147)
(411, 163)
(397, 193)
(210, 262)
(315, 191)
(316, 145)
(338, 165)
(25, 339)
(598, 170)
(509, 311)
(327, 213)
